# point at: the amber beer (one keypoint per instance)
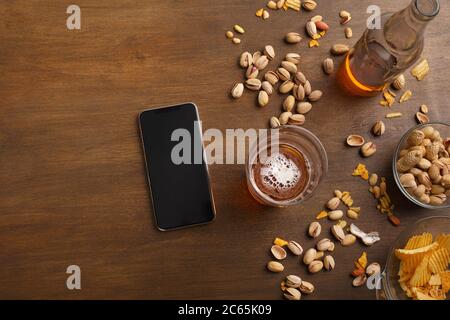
(287, 171)
(282, 175)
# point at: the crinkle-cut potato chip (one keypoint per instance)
(444, 241)
(435, 280)
(404, 254)
(422, 275)
(439, 260)
(445, 279)
(437, 294)
(416, 242)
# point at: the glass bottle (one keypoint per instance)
(382, 54)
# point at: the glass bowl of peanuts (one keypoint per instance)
(421, 165)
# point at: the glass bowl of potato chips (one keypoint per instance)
(418, 263)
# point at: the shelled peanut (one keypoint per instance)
(424, 166)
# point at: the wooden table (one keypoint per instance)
(73, 185)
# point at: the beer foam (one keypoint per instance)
(280, 173)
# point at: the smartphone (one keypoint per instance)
(177, 169)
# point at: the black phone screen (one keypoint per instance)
(176, 167)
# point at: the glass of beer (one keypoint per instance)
(284, 169)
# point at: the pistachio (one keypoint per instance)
(368, 149)
(299, 92)
(262, 62)
(328, 66)
(306, 287)
(324, 244)
(300, 78)
(297, 119)
(288, 103)
(309, 5)
(295, 248)
(314, 229)
(335, 215)
(236, 40)
(267, 87)
(424, 108)
(286, 86)
(304, 107)
(379, 128)
(311, 29)
(307, 87)
(373, 179)
(355, 140)
(329, 263)
(278, 252)
(309, 256)
(422, 118)
(293, 57)
(348, 32)
(331, 247)
(293, 281)
(338, 232)
(253, 84)
(315, 95)
(237, 90)
(263, 98)
(275, 266)
(293, 37)
(269, 51)
(292, 294)
(271, 77)
(283, 74)
(289, 66)
(344, 14)
(246, 60)
(333, 203)
(399, 82)
(315, 266)
(339, 49)
(348, 240)
(359, 280)
(319, 255)
(252, 72)
(284, 117)
(274, 122)
(373, 268)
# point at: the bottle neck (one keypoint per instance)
(406, 27)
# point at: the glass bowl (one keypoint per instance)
(312, 151)
(390, 288)
(444, 130)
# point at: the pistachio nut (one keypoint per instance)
(315, 266)
(297, 119)
(338, 232)
(262, 62)
(349, 239)
(293, 57)
(324, 244)
(299, 92)
(304, 107)
(359, 280)
(252, 72)
(292, 294)
(306, 287)
(283, 74)
(288, 103)
(293, 37)
(315, 95)
(269, 51)
(267, 87)
(237, 91)
(295, 248)
(278, 252)
(328, 66)
(274, 122)
(246, 60)
(286, 86)
(368, 149)
(253, 84)
(379, 128)
(289, 66)
(284, 117)
(355, 140)
(271, 77)
(329, 263)
(333, 203)
(335, 215)
(293, 281)
(263, 98)
(300, 78)
(309, 256)
(314, 229)
(275, 266)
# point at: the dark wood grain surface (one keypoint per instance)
(72, 179)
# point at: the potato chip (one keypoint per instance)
(444, 241)
(419, 241)
(422, 296)
(404, 254)
(422, 275)
(445, 279)
(361, 263)
(435, 280)
(439, 260)
(437, 294)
